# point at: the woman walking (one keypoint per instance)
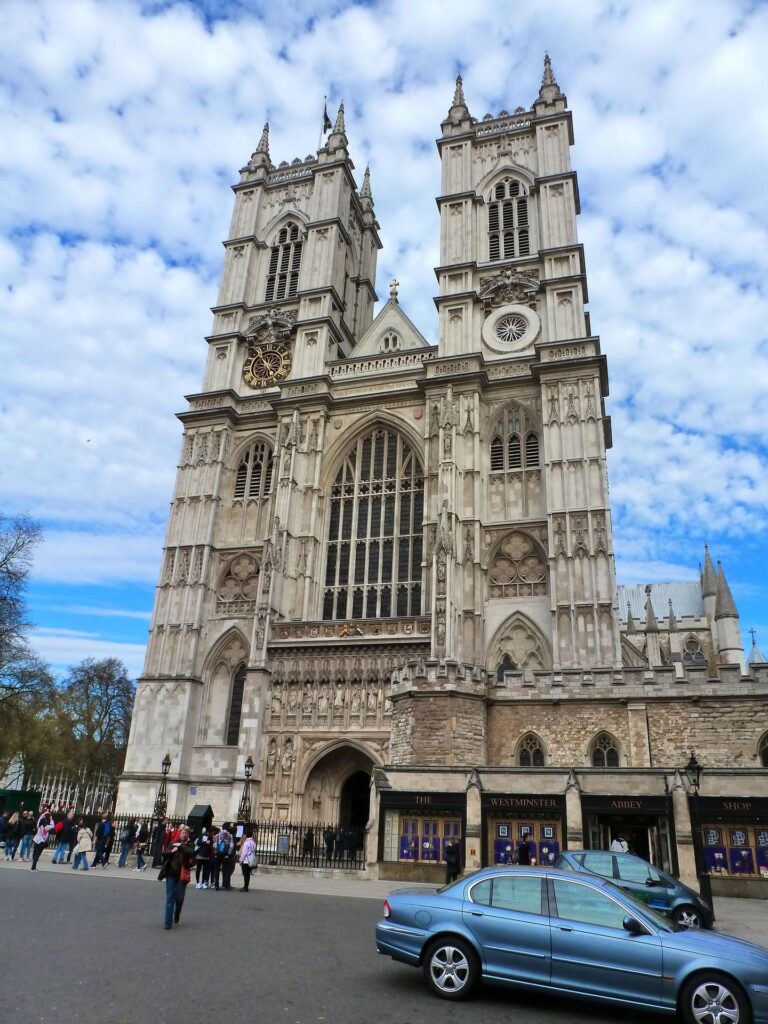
(12, 835)
(202, 859)
(83, 846)
(177, 873)
(247, 858)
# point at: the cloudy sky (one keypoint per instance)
(123, 126)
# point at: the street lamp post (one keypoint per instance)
(161, 803)
(693, 772)
(244, 810)
(162, 797)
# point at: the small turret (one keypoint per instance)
(458, 118)
(550, 98)
(337, 140)
(652, 643)
(729, 645)
(630, 620)
(366, 199)
(260, 159)
(756, 656)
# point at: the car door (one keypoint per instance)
(643, 882)
(507, 914)
(592, 952)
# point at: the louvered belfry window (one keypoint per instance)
(284, 264)
(254, 474)
(508, 231)
(515, 442)
(376, 512)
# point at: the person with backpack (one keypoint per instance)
(104, 839)
(224, 853)
(126, 842)
(63, 829)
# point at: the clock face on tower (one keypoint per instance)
(267, 365)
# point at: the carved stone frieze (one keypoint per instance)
(508, 287)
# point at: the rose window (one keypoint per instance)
(511, 328)
(518, 569)
(240, 585)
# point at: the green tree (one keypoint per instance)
(95, 702)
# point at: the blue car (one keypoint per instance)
(574, 934)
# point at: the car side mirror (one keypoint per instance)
(633, 926)
(652, 881)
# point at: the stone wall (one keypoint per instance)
(724, 733)
(565, 730)
(438, 728)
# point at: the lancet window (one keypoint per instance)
(515, 442)
(605, 751)
(508, 229)
(530, 752)
(374, 550)
(254, 473)
(284, 264)
(235, 707)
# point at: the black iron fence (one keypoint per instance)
(278, 843)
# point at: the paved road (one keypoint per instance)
(91, 948)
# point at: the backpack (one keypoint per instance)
(222, 846)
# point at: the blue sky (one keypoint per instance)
(124, 125)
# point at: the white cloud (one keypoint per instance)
(62, 648)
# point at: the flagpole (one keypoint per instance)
(322, 123)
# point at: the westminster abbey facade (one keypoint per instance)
(389, 566)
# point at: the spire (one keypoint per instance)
(365, 191)
(672, 618)
(549, 94)
(651, 625)
(263, 146)
(630, 620)
(260, 156)
(337, 140)
(338, 128)
(725, 606)
(458, 93)
(709, 579)
(756, 656)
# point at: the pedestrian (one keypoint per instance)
(83, 846)
(308, 845)
(158, 843)
(328, 835)
(177, 873)
(619, 845)
(127, 833)
(63, 829)
(247, 857)
(142, 835)
(224, 850)
(12, 835)
(103, 837)
(452, 860)
(524, 851)
(202, 859)
(27, 826)
(44, 826)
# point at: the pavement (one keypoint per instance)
(746, 919)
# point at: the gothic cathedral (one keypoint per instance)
(389, 567)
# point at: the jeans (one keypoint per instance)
(81, 860)
(10, 848)
(125, 849)
(25, 848)
(174, 898)
(60, 852)
(139, 858)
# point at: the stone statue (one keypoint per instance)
(271, 756)
(356, 701)
(372, 701)
(322, 702)
(308, 700)
(277, 703)
(287, 761)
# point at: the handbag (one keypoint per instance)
(185, 875)
(252, 862)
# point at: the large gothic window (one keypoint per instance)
(375, 531)
(284, 264)
(530, 752)
(605, 751)
(254, 473)
(235, 707)
(515, 442)
(508, 233)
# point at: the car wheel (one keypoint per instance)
(451, 968)
(714, 999)
(687, 916)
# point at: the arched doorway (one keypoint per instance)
(337, 788)
(354, 805)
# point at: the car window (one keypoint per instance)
(518, 892)
(631, 870)
(481, 893)
(577, 902)
(599, 864)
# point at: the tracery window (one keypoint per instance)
(254, 474)
(508, 230)
(515, 443)
(235, 707)
(763, 751)
(390, 342)
(518, 569)
(530, 752)
(284, 264)
(693, 652)
(605, 751)
(373, 566)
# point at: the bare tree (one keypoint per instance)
(18, 537)
(96, 701)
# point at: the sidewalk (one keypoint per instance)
(746, 919)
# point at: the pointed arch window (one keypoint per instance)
(375, 523)
(284, 264)
(235, 707)
(763, 751)
(505, 665)
(254, 473)
(605, 751)
(530, 752)
(693, 653)
(508, 228)
(515, 443)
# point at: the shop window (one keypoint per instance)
(605, 752)
(737, 850)
(423, 839)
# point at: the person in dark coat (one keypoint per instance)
(104, 839)
(308, 845)
(524, 851)
(176, 872)
(452, 860)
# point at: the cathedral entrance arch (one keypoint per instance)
(337, 787)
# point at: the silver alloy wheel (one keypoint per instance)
(713, 1003)
(688, 917)
(449, 968)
